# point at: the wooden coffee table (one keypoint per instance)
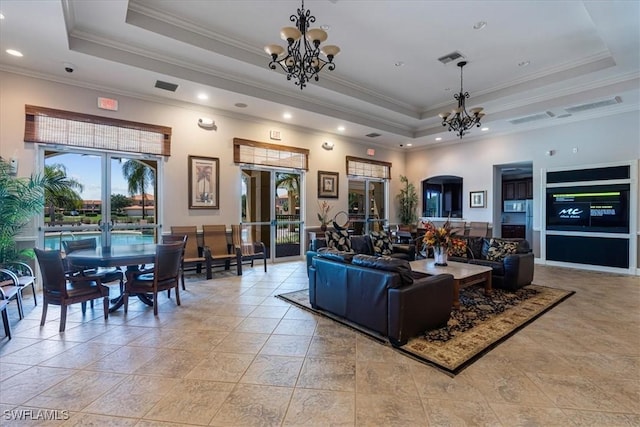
(463, 275)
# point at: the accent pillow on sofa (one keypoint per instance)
(499, 249)
(339, 239)
(458, 248)
(335, 255)
(381, 243)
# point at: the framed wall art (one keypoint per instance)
(204, 182)
(328, 185)
(477, 199)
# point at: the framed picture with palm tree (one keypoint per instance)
(204, 182)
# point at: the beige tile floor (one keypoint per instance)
(233, 355)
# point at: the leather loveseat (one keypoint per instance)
(510, 271)
(380, 293)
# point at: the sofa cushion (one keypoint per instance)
(497, 267)
(339, 239)
(499, 249)
(381, 243)
(458, 248)
(396, 265)
(335, 255)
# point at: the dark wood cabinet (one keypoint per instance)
(509, 190)
(513, 231)
(517, 189)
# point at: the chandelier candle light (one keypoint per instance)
(458, 119)
(302, 61)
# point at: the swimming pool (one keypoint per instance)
(54, 241)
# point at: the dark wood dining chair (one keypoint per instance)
(164, 276)
(181, 238)
(242, 239)
(214, 237)
(62, 289)
(194, 256)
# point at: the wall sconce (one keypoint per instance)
(206, 123)
(327, 145)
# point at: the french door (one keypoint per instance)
(271, 206)
(118, 202)
(367, 205)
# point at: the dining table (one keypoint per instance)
(129, 256)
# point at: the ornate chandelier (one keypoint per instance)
(302, 61)
(458, 119)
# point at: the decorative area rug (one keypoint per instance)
(481, 323)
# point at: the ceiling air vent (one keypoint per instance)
(373, 135)
(450, 57)
(532, 118)
(591, 106)
(171, 87)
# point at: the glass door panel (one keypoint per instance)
(288, 226)
(131, 214)
(367, 206)
(256, 206)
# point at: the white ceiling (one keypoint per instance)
(579, 53)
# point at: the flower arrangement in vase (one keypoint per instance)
(440, 239)
(323, 215)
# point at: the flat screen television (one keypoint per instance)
(594, 208)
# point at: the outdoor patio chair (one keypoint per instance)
(194, 256)
(215, 238)
(242, 238)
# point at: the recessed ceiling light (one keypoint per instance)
(14, 52)
(479, 25)
(438, 139)
(484, 129)
(240, 105)
(399, 64)
(325, 27)
(1, 16)
(341, 128)
(524, 63)
(203, 96)
(287, 115)
(409, 145)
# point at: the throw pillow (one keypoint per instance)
(458, 248)
(339, 239)
(381, 243)
(499, 249)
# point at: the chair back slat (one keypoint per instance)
(191, 247)
(241, 237)
(215, 237)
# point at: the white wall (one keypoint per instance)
(608, 139)
(187, 139)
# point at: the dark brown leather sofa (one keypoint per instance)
(380, 294)
(512, 272)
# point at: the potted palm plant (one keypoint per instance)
(20, 200)
(408, 201)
